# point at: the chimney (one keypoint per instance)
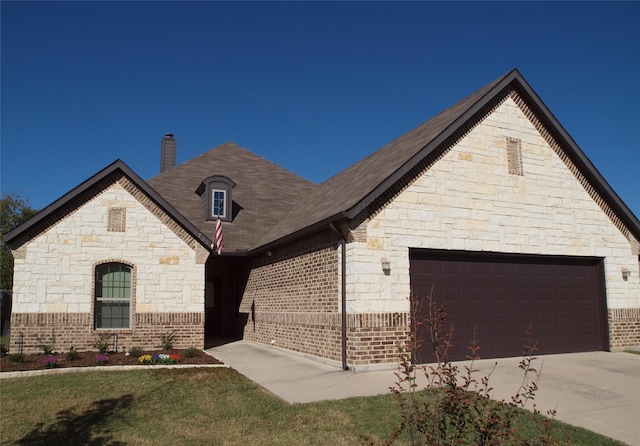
(167, 152)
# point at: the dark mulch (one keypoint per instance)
(88, 359)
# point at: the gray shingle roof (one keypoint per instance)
(264, 192)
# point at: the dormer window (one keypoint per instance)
(218, 200)
(215, 194)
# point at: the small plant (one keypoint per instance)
(191, 352)
(46, 345)
(72, 355)
(102, 359)
(167, 340)
(51, 362)
(161, 358)
(102, 343)
(454, 408)
(16, 358)
(4, 345)
(135, 351)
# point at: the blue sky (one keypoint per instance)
(313, 87)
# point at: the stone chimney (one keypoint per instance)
(167, 152)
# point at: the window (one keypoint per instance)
(218, 203)
(113, 296)
(215, 196)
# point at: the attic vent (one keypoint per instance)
(514, 156)
(117, 219)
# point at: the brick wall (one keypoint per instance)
(76, 330)
(624, 328)
(292, 297)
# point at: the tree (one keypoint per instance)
(14, 210)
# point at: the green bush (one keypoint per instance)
(72, 355)
(102, 343)
(136, 352)
(167, 340)
(16, 358)
(4, 345)
(191, 352)
(46, 345)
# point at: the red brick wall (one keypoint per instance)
(76, 330)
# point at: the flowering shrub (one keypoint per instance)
(51, 362)
(101, 359)
(161, 358)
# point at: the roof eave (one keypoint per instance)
(294, 236)
(13, 237)
(515, 79)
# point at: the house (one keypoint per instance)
(490, 207)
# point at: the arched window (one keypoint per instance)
(113, 296)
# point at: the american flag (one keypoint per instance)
(219, 241)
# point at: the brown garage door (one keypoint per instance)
(500, 296)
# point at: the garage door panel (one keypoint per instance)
(500, 297)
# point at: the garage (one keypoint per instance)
(500, 296)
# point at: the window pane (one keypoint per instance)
(113, 294)
(218, 203)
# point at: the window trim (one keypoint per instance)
(131, 300)
(222, 216)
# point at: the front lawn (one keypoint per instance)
(193, 406)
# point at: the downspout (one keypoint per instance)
(343, 244)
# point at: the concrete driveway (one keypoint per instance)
(599, 391)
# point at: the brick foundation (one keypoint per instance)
(624, 328)
(76, 330)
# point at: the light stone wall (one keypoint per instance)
(468, 201)
(54, 272)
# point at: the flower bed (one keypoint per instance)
(92, 359)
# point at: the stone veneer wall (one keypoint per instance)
(465, 199)
(54, 274)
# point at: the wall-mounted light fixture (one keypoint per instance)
(625, 274)
(386, 266)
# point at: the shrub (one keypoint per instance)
(16, 358)
(454, 408)
(135, 351)
(72, 355)
(167, 340)
(191, 352)
(102, 343)
(102, 359)
(51, 362)
(4, 345)
(46, 345)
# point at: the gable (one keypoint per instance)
(369, 184)
(116, 173)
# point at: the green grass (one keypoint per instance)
(190, 407)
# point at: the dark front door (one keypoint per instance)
(498, 298)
